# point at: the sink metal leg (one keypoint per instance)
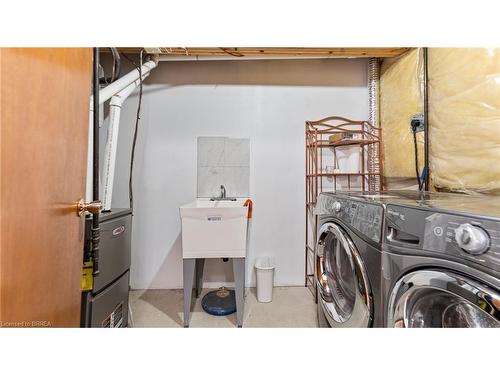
(188, 266)
(239, 289)
(199, 276)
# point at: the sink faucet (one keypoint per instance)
(222, 196)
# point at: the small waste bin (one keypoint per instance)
(264, 268)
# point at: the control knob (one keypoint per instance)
(337, 206)
(472, 239)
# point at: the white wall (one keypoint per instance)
(266, 101)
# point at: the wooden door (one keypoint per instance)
(44, 114)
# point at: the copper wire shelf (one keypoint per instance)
(323, 138)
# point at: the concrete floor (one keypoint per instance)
(291, 307)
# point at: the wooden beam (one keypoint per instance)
(271, 51)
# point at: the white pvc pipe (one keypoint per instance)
(117, 86)
(90, 161)
(110, 150)
(105, 94)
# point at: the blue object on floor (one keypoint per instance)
(219, 302)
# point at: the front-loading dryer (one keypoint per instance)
(348, 261)
(441, 262)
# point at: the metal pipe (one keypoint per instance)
(116, 67)
(373, 92)
(426, 119)
(95, 187)
(115, 107)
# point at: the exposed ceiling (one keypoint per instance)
(177, 53)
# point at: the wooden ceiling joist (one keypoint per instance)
(270, 52)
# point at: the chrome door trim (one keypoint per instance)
(362, 314)
(321, 278)
(476, 293)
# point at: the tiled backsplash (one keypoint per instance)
(223, 161)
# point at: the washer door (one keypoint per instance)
(343, 285)
(439, 298)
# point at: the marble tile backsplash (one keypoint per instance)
(223, 161)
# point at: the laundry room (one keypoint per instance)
(185, 176)
(196, 217)
(234, 121)
(201, 113)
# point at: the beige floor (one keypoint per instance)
(291, 307)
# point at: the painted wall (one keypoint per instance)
(223, 161)
(265, 101)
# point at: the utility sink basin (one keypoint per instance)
(214, 229)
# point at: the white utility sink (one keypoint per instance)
(214, 229)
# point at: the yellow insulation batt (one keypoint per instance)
(464, 119)
(401, 97)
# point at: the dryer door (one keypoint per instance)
(441, 298)
(343, 285)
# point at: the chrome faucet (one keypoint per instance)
(222, 196)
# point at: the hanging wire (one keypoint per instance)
(420, 185)
(136, 129)
(235, 53)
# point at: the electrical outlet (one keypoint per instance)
(417, 123)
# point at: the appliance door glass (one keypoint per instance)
(436, 298)
(342, 279)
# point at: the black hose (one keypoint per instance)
(95, 187)
(116, 67)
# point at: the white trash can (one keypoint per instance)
(264, 268)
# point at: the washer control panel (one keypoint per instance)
(364, 217)
(454, 235)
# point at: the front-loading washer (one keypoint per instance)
(441, 262)
(348, 261)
